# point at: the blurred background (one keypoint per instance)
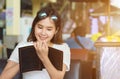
(96, 16)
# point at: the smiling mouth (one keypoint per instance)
(43, 38)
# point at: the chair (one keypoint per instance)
(9, 51)
(3, 63)
(81, 54)
(81, 65)
(74, 72)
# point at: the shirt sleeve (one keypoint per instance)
(66, 56)
(14, 55)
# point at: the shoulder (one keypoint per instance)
(63, 46)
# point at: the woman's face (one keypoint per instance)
(45, 30)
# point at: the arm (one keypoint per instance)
(10, 70)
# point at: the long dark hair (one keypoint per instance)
(57, 39)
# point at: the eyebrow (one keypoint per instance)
(43, 26)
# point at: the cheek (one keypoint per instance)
(37, 31)
(51, 34)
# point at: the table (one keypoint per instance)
(108, 60)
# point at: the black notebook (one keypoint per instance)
(29, 60)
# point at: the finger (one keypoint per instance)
(41, 44)
(46, 45)
(37, 44)
(36, 47)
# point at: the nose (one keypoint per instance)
(43, 32)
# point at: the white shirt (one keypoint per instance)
(41, 74)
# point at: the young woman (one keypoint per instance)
(46, 32)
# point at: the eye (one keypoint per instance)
(49, 29)
(39, 26)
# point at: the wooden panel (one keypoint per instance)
(84, 0)
(82, 54)
(105, 1)
(107, 44)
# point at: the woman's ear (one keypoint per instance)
(56, 31)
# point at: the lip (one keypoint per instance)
(43, 38)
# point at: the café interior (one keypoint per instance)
(100, 18)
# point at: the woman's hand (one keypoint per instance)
(41, 49)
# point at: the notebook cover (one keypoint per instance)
(29, 60)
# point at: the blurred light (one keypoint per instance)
(115, 3)
(94, 25)
(53, 1)
(103, 19)
(2, 2)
